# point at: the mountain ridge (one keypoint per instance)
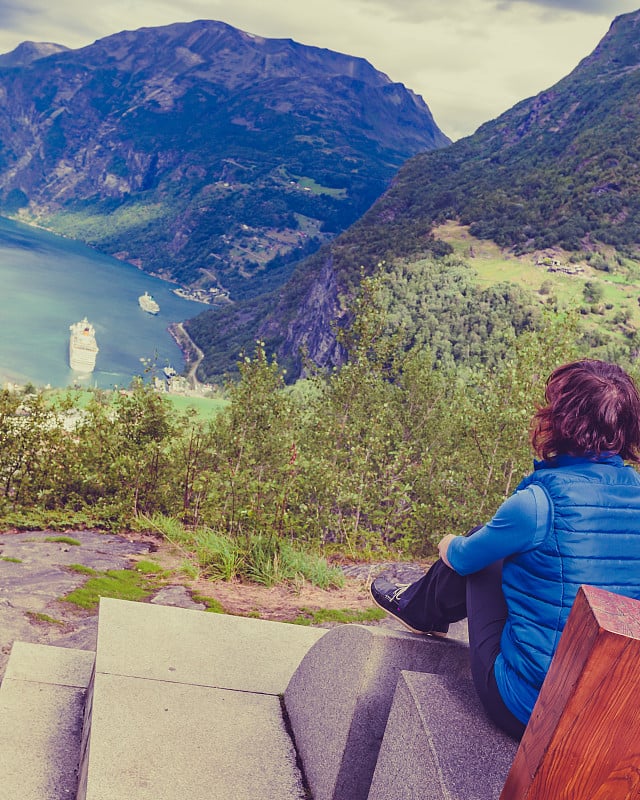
(199, 152)
(558, 170)
(27, 52)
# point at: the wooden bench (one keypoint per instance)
(583, 739)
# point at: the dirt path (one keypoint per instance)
(36, 571)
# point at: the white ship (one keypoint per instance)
(82, 346)
(148, 304)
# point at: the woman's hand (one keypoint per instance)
(443, 546)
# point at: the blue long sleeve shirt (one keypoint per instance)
(520, 524)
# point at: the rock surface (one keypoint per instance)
(35, 573)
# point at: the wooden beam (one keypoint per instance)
(583, 739)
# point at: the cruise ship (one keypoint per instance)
(82, 346)
(148, 304)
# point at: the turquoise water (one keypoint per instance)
(48, 282)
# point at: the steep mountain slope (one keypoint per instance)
(561, 169)
(201, 152)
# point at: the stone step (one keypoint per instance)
(41, 705)
(187, 704)
(339, 699)
(439, 745)
(189, 646)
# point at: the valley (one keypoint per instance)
(305, 170)
(421, 289)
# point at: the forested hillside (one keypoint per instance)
(435, 303)
(560, 171)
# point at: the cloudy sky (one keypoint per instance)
(469, 59)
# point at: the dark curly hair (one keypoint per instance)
(593, 407)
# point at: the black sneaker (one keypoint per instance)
(386, 595)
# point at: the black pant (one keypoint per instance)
(442, 596)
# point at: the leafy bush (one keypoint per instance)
(384, 455)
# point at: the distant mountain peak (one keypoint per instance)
(230, 52)
(200, 152)
(618, 50)
(27, 52)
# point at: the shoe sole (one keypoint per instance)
(439, 634)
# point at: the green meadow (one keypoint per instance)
(607, 299)
(203, 407)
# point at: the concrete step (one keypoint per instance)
(339, 700)
(182, 703)
(439, 745)
(41, 707)
(194, 647)
(187, 704)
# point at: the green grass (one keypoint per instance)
(12, 560)
(80, 397)
(213, 605)
(621, 289)
(38, 616)
(316, 188)
(344, 615)
(256, 558)
(63, 540)
(190, 569)
(82, 569)
(171, 528)
(121, 584)
(205, 407)
(150, 568)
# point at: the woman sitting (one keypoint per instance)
(574, 520)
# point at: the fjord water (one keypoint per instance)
(48, 282)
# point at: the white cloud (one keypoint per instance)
(604, 7)
(469, 59)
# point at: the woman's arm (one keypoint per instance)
(520, 523)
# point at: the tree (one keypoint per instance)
(593, 292)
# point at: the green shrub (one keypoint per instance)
(402, 444)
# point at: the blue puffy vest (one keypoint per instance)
(594, 539)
